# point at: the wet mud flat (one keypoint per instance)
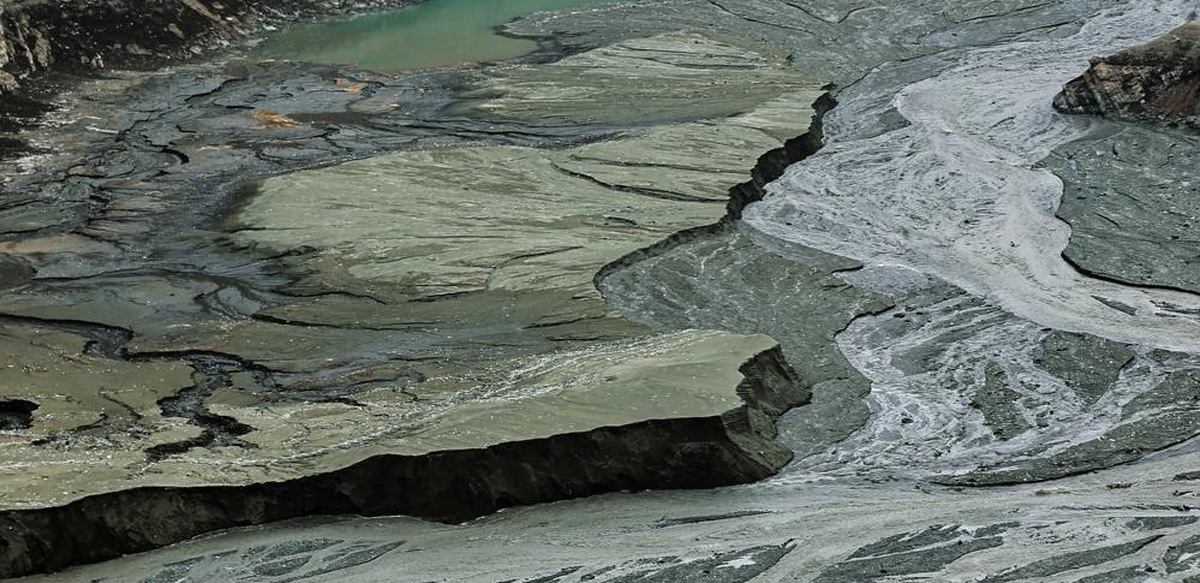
(286, 315)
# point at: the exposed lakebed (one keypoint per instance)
(514, 255)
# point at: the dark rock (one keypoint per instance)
(16, 414)
(1157, 81)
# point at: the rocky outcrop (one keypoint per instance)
(1157, 81)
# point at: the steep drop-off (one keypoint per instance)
(1020, 369)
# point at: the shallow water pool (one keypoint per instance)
(434, 33)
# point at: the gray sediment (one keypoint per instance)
(955, 349)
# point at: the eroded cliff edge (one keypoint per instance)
(710, 422)
(1113, 525)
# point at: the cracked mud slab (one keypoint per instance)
(507, 239)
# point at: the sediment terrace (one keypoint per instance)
(425, 338)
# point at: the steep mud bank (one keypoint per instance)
(449, 485)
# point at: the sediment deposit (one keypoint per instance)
(290, 342)
(39, 37)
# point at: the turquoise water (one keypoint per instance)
(434, 33)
